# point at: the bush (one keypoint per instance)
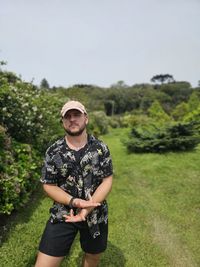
(178, 137)
(157, 113)
(114, 121)
(30, 115)
(17, 112)
(180, 111)
(18, 173)
(133, 120)
(98, 123)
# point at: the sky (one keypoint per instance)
(100, 42)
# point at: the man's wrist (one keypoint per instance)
(90, 209)
(71, 203)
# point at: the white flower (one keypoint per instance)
(25, 105)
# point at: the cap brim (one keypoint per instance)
(65, 111)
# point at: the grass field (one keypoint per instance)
(154, 214)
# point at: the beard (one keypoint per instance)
(77, 133)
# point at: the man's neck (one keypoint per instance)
(76, 142)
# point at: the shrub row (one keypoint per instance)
(19, 172)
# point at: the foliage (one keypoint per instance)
(194, 115)
(119, 84)
(17, 112)
(162, 78)
(180, 111)
(115, 121)
(49, 105)
(157, 113)
(29, 114)
(178, 91)
(91, 96)
(98, 123)
(8, 77)
(177, 137)
(188, 111)
(194, 100)
(152, 95)
(44, 84)
(121, 100)
(18, 173)
(134, 120)
(31, 118)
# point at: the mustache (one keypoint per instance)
(73, 124)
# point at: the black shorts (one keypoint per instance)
(58, 238)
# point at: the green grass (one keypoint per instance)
(154, 211)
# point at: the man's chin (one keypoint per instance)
(75, 133)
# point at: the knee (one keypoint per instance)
(93, 257)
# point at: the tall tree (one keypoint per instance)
(44, 84)
(162, 78)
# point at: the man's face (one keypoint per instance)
(74, 122)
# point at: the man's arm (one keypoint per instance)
(103, 189)
(60, 196)
(99, 195)
(101, 192)
(57, 194)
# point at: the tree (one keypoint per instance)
(180, 111)
(44, 84)
(194, 101)
(2, 63)
(120, 84)
(162, 78)
(157, 113)
(178, 91)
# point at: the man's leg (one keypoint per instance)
(93, 247)
(55, 243)
(91, 260)
(44, 260)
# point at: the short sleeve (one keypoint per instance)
(106, 162)
(49, 171)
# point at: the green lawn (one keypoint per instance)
(154, 213)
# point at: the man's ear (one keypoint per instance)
(87, 120)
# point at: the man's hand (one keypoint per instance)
(81, 203)
(81, 216)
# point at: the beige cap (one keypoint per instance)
(72, 105)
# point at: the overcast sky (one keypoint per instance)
(100, 41)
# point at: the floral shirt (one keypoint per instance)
(78, 176)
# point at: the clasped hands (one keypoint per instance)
(84, 206)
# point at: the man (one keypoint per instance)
(77, 175)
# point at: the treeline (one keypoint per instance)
(30, 122)
(120, 98)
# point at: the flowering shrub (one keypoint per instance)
(29, 114)
(29, 121)
(17, 111)
(18, 172)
